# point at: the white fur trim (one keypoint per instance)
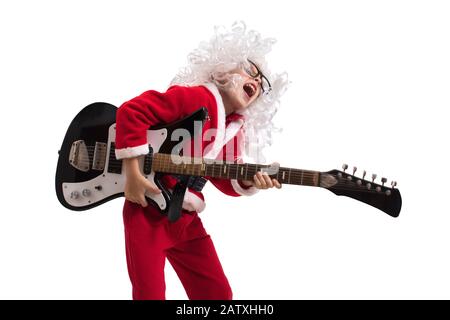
(243, 192)
(192, 202)
(219, 139)
(132, 152)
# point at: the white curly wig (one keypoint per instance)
(223, 53)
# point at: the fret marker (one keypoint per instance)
(225, 169)
(242, 171)
(284, 173)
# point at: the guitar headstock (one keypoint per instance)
(382, 196)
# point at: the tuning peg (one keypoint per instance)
(383, 181)
(344, 167)
(364, 174)
(354, 170)
(374, 176)
(393, 184)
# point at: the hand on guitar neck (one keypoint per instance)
(262, 180)
(136, 184)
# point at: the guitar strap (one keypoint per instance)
(184, 182)
(176, 202)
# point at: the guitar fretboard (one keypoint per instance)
(240, 171)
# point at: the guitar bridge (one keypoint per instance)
(79, 156)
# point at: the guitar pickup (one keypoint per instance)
(79, 156)
(99, 160)
(148, 161)
(114, 165)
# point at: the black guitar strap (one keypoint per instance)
(176, 202)
(196, 183)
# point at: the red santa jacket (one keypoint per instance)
(151, 108)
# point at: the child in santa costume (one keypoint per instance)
(229, 77)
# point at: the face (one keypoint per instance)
(246, 88)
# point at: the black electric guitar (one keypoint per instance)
(88, 173)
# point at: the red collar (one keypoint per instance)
(233, 117)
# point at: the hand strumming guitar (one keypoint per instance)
(136, 184)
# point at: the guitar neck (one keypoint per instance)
(224, 170)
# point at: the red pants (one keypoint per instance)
(150, 238)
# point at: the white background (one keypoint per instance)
(370, 87)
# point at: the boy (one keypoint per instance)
(224, 76)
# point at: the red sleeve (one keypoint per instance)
(134, 117)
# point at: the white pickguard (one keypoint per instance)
(112, 183)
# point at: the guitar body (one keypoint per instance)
(88, 174)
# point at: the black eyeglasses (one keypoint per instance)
(250, 68)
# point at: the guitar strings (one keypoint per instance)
(294, 174)
(297, 175)
(233, 167)
(164, 158)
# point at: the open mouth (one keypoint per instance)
(250, 89)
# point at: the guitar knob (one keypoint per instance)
(74, 195)
(374, 176)
(354, 170)
(86, 192)
(378, 189)
(359, 182)
(388, 192)
(344, 167)
(368, 185)
(383, 181)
